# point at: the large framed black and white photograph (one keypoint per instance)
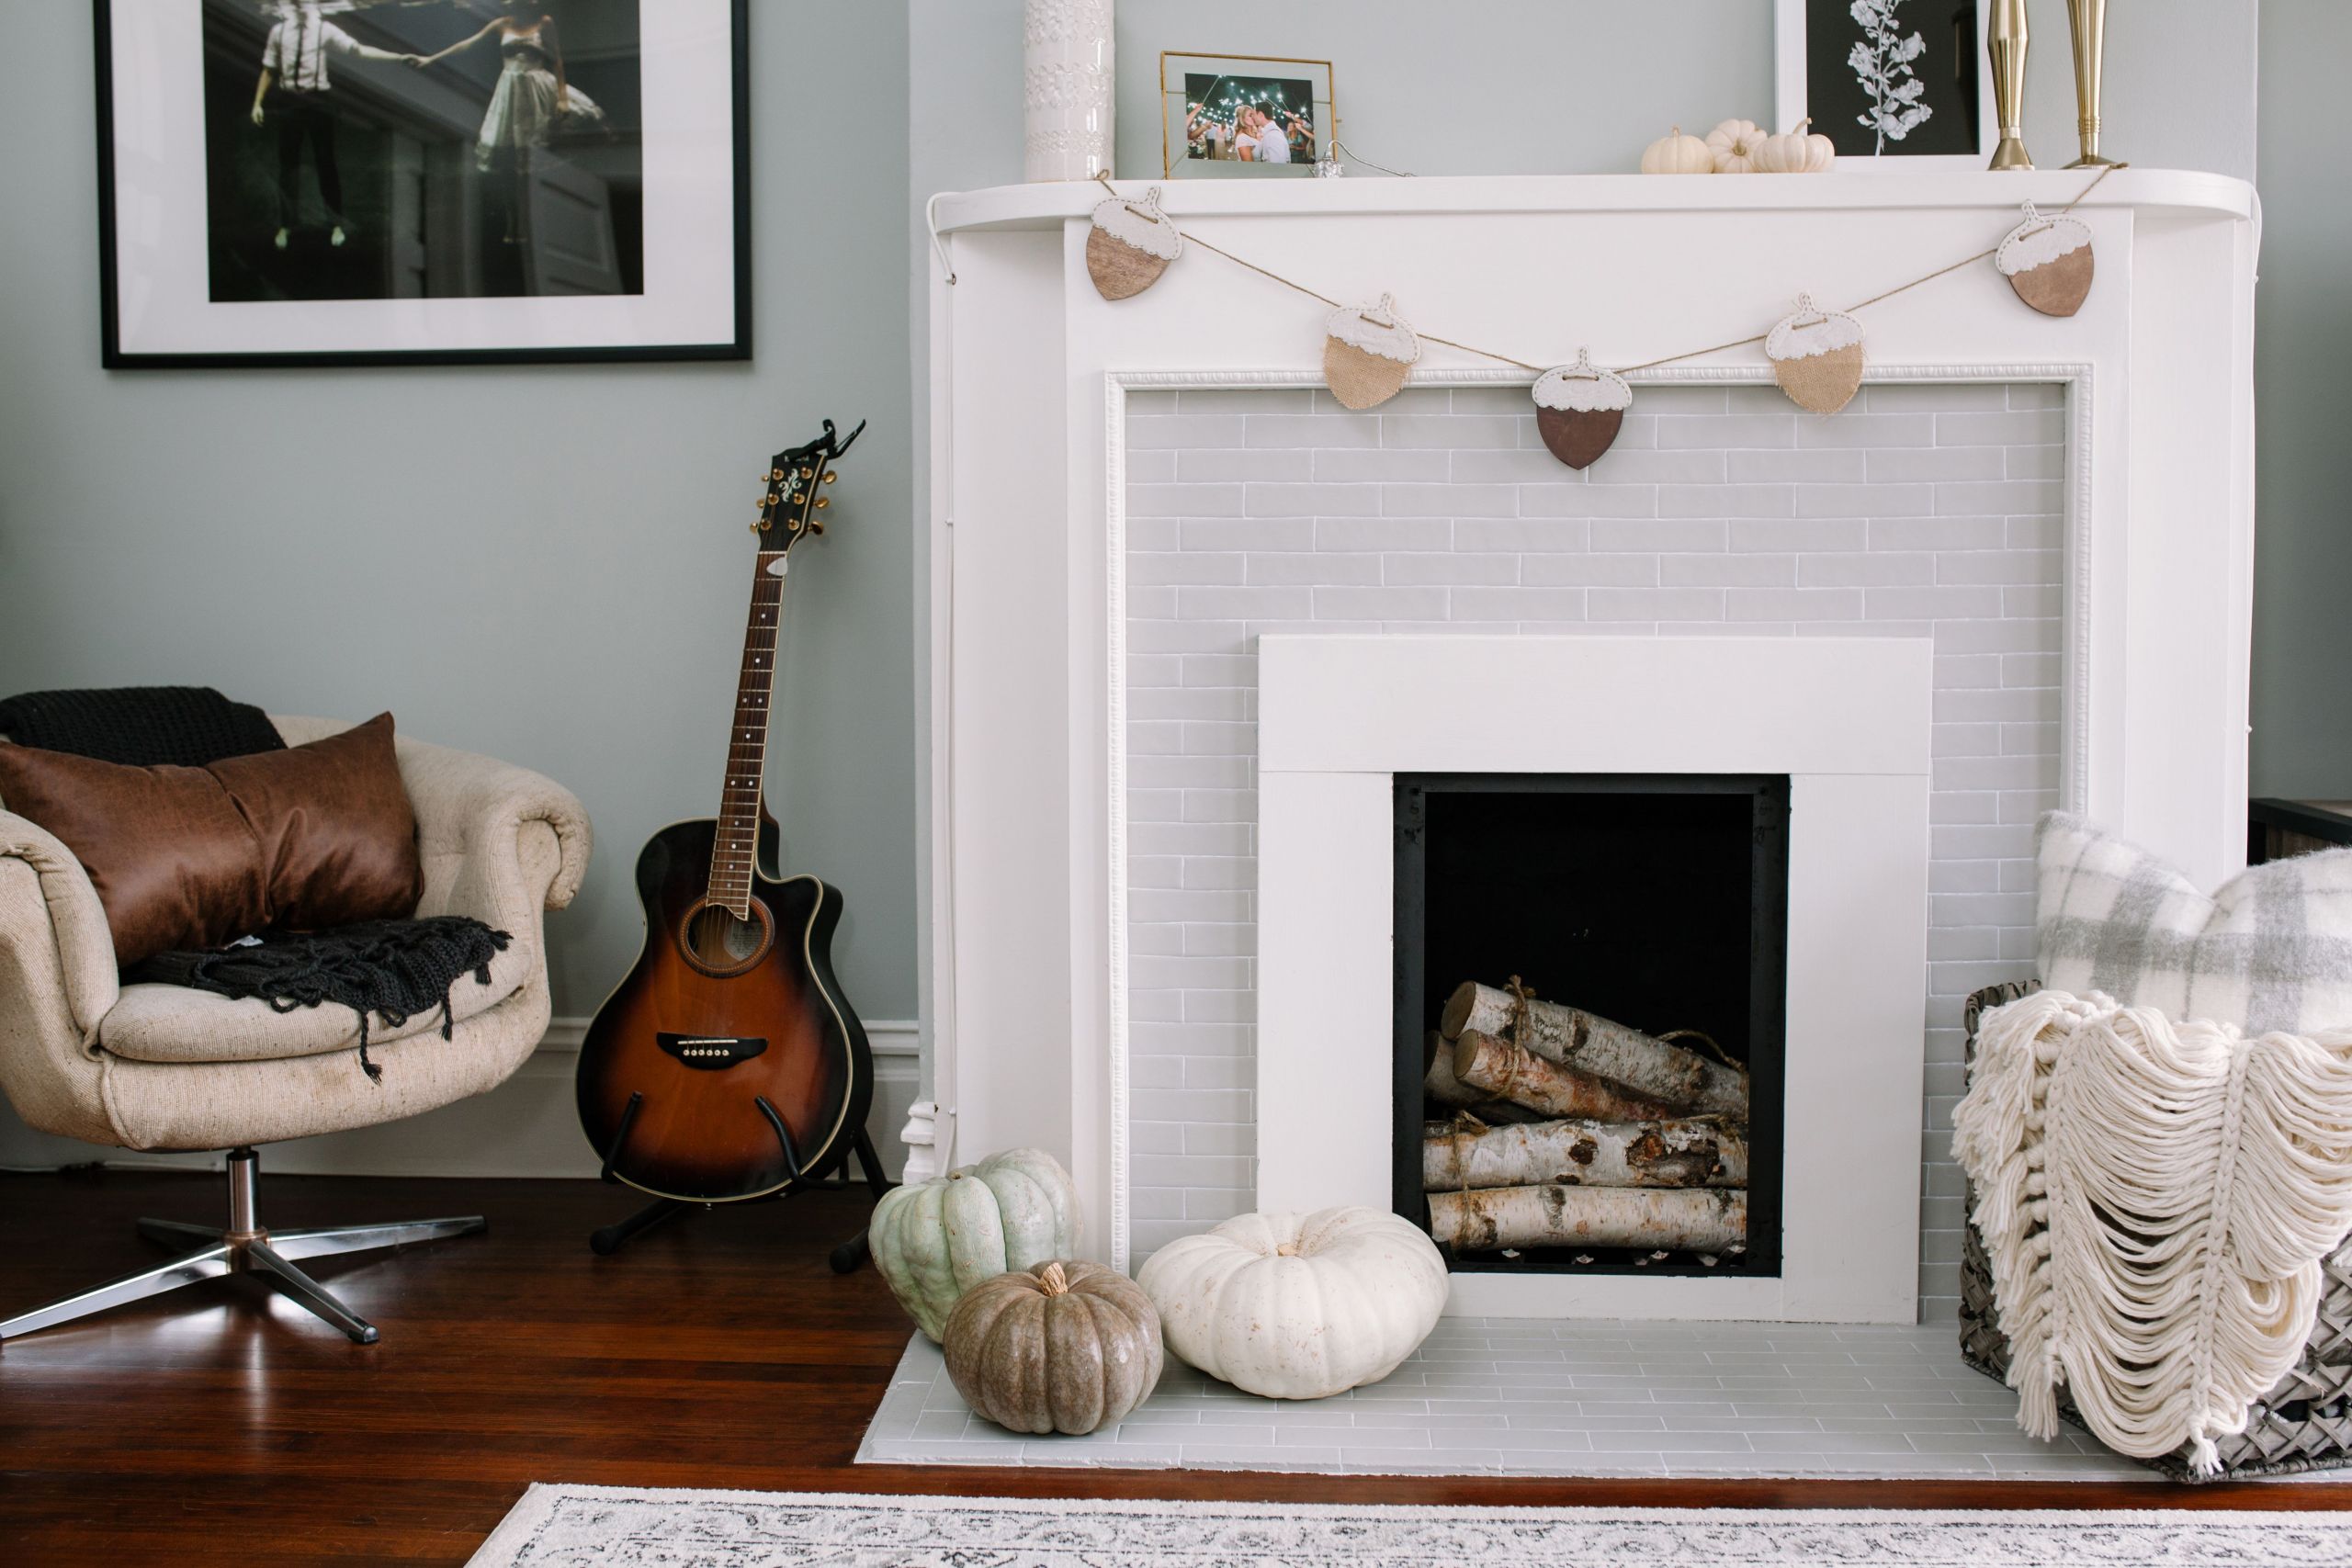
(1894, 83)
(422, 181)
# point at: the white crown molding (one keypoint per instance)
(2182, 194)
(920, 1137)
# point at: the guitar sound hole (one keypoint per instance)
(717, 941)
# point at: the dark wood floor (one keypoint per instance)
(719, 1352)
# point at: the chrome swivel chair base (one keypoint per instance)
(243, 1247)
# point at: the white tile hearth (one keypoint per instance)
(1590, 1398)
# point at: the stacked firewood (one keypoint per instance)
(1563, 1129)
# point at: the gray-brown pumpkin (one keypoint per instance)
(2048, 262)
(1061, 1347)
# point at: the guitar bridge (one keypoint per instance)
(711, 1053)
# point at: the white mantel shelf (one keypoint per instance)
(1030, 373)
(2184, 191)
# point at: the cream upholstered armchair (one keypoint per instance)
(148, 1067)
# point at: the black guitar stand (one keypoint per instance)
(844, 1257)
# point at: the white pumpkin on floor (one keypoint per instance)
(1298, 1307)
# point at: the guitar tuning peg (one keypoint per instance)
(823, 502)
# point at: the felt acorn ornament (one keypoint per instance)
(1579, 409)
(1816, 356)
(2048, 262)
(1130, 245)
(1367, 353)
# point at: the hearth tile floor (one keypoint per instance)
(1589, 1398)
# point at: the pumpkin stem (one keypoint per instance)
(1798, 129)
(1055, 1281)
(1288, 1249)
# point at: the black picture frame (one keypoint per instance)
(113, 355)
(1952, 74)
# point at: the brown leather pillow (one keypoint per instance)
(314, 836)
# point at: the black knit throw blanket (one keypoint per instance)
(140, 727)
(394, 968)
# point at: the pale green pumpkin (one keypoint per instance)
(934, 1240)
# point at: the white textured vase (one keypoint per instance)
(1066, 87)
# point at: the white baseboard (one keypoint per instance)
(524, 1127)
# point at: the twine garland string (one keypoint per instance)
(1191, 238)
(1701, 1035)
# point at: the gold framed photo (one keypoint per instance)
(1243, 117)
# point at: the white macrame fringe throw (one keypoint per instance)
(2156, 1199)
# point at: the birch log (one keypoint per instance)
(1668, 1218)
(1591, 1044)
(1586, 1153)
(1442, 1088)
(1501, 1069)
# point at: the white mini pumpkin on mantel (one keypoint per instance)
(1733, 145)
(1299, 1306)
(1796, 152)
(1675, 153)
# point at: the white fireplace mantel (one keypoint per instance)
(1029, 372)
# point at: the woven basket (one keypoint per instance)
(2305, 1423)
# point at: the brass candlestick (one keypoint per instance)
(2087, 19)
(2005, 40)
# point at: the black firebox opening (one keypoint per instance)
(1657, 900)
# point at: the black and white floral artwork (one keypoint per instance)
(1894, 78)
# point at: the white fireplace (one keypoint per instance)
(1846, 719)
(2100, 630)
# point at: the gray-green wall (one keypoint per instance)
(2302, 559)
(1580, 87)
(548, 564)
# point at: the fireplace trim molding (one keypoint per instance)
(1845, 718)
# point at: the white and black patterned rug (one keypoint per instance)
(578, 1527)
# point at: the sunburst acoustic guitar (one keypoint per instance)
(728, 1064)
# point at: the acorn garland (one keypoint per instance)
(1816, 356)
(2048, 262)
(1130, 245)
(1578, 409)
(1369, 350)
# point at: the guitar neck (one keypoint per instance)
(788, 509)
(735, 855)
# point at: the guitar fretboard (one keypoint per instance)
(735, 855)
